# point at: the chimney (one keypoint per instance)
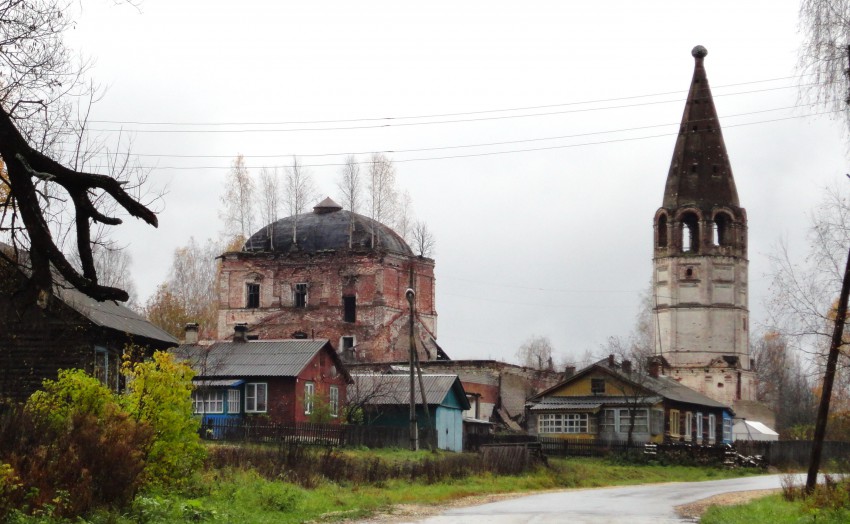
(240, 332)
(654, 367)
(627, 367)
(190, 333)
(611, 361)
(569, 371)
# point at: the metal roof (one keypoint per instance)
(254, 358)
(112, 315)
(109, 314)
(395, 389)
(327, 228)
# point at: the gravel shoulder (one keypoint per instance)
(694, 510)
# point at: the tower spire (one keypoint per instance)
(700, 173)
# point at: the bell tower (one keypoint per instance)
(700, 260)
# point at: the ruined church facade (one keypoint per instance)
(335, 275)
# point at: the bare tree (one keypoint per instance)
(803, 293)
(823, 61)
(382, 191)
(783, 382)
(270, 200)
(404, 217)
(237, 210)
(37, 73)
(190, 293)
(423, 240)
(350, 185)
(536, 353)
(299, 191)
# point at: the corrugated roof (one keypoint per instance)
(254, 358)
(108, 314)
(112, 315)
(395, 389)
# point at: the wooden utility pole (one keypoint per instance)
(829, 374)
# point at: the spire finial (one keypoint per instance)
(699, 52)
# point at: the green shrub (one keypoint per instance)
(11, 490)
(160, 395)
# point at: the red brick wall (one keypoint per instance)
(378, 280)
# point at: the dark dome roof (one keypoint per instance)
(326, 228)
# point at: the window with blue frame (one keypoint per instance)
(208, 402)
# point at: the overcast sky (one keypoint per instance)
(547, 233)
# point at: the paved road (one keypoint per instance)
(649, 503)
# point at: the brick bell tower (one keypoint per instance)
(700, 262)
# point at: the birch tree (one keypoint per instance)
(823, 59)
(237, 202)
(350, 185)
(270, 200)
(382, 196)
(190, 292)
(299, 192)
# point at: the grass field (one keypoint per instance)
(242, 495)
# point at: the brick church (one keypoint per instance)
(331, 274)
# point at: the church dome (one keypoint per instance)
(326, 229)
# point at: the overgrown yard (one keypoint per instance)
(258, 484)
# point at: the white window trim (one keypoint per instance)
(689, 425)
(622, 420)
(253, 400)
(712, 428)
(564, 423)
(210, 402)
(698, 416)
(309, 394)
(333, 400)
(234, 401)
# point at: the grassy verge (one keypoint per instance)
(776, 510)
(243, 495)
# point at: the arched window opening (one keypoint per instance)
(690, 233)
(662, 231)
(721, 230)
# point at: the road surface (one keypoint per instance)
(648, 503)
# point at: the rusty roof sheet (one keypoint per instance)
(395, 389)
(254, 358)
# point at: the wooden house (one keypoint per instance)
(385, 401)
(607, 399)
(72, 331)
(284, 381)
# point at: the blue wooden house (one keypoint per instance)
(385, 401)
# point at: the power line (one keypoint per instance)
(438, 148)
(409, 124)
(491, 153)
(436, 115)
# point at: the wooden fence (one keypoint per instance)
(343, 435)
(793, 453)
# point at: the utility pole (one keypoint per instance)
(829, 374)
(828, 380)
(414, 428)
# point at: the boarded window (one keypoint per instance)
(349, 308)
(300, 299)
(252, 295)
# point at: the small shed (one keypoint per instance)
(751, 430)
(385, 401)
